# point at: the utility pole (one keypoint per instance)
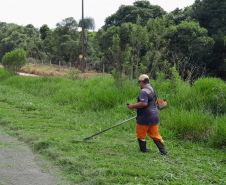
(83, 35)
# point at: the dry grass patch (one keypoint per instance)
(45, 70)
(54, 70)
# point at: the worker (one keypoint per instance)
(147, 116)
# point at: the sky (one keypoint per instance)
(40, 12)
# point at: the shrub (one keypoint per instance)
(4, 74)
(15, 59)
(73, 73)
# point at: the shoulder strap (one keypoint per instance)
(150, 91)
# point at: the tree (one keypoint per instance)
(14, 60)
(157, 51)
(59, 46)
(105, 41)
(179, 15)
(62, 43)
(5, 29)
(130, 13)
(125, 38)
(6, 45)
(138, 41)
(118, 59)
(91, 49)
(31, 31)
(212, 15)
(19, 37)
(88, 23)
(157, 11)
(189, 45)
(44, 31)
(32, 41)
(68, 24)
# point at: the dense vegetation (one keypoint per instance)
(139, 38)
(182, 51)
(54, 114)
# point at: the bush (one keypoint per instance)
(4, 74)
(73, 73)
(15, 59)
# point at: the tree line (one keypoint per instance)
(138, 38)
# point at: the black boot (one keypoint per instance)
(161, 147)
(142, 145)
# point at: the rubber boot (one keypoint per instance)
(161, 147)
(142, 145)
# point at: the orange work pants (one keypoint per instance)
(152, 131)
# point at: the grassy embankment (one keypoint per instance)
(54, 114)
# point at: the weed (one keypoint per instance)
(73, 73)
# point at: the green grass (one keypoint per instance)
(54, 114)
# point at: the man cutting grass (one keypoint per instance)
(147, 116)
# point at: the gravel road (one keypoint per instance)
(19, 166)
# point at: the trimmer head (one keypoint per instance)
(87, 138)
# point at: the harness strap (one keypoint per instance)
(150, 91)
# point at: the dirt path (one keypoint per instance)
(19, 166)
(26, 74)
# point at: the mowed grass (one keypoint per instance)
(54, 114)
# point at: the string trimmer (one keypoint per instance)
(87, 138)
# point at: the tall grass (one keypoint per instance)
(210, 95)
(82, 94)
(54, 114)
(192, 111)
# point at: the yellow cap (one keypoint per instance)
(143, 76)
